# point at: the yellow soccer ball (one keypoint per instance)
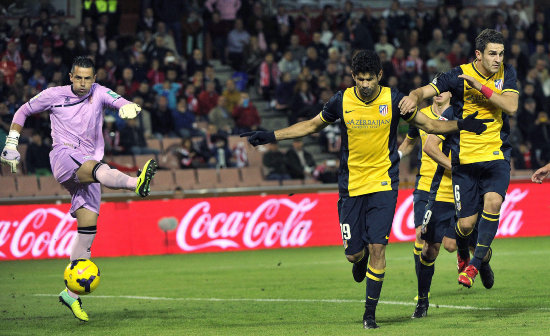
(81, 276)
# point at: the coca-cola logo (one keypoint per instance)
(43, 231)
(275, 222)
(510, 217)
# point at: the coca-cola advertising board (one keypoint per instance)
(228, 224)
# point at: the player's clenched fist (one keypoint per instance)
(129, 111)
(10, 156)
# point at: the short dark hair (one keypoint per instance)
(83, 62)
(366, 61)
(488, 36)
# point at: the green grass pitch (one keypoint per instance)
(307, 291)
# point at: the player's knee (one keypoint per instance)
(431, 250)
(353, 258)
(467, 224)
(449, 245)
(492, 202)
(85, 172)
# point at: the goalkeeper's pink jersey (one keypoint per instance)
(76, 121)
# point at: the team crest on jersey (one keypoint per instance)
(442, 118)
(67, 100)
(383, 109)
(113, 94)
(498, 84)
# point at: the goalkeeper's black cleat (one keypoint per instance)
(421, 309)
(359, 269)
(143, 187)
(487, 276)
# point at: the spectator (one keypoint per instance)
(37, 158)
(237, 40)
(168, 90)
(290, 65)
(207, 100)
(170, 13)
(298, 51)
(220, 117)
(132, 139)
(284, 93)
(437, 44)
(227, 8)
(128, 81)
(274, 164)
(184, 120)
(299, 162)
(196, 63)
(221, 155)
(189, 157)
(327, 172)
(313, 62)
(210, 76)
(232, 96)
(269, 76)
(161, 118)
(218, 34)
(246, 115)
(144, 118)
(147, 20)
(383, 44)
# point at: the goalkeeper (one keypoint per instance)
(76, 114)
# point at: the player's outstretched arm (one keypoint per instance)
(10, 156)
(297, 130)
(470, 124)
(507, 101)
(431, 147)
(541, 174)
(410, 103)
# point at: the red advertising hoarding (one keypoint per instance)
(228, 224)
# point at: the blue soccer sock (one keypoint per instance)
(426, 270)
(487, 229)
(375, 279)
(416, 253)
(462, 242)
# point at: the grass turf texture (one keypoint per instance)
(308, 291)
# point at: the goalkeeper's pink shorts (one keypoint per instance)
(65, 161)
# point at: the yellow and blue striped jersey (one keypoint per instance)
(369, 161)
(429, 178)
(493, 144)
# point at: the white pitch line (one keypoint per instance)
(400, 303)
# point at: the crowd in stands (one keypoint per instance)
(295, 61)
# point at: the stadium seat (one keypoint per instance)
(8, 188)
(185, 178)
(207, 178)
(169, 142)
(252, 177)
(27, 185)
(163, 180)
(143, 158)
(50, 186)
(311, 181)
(230, 178)
(154, 144)
(124, 160)
(254, 157)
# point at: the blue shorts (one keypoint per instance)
(472, 181)
(366, 219)
(441, 219)
(420, 200)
